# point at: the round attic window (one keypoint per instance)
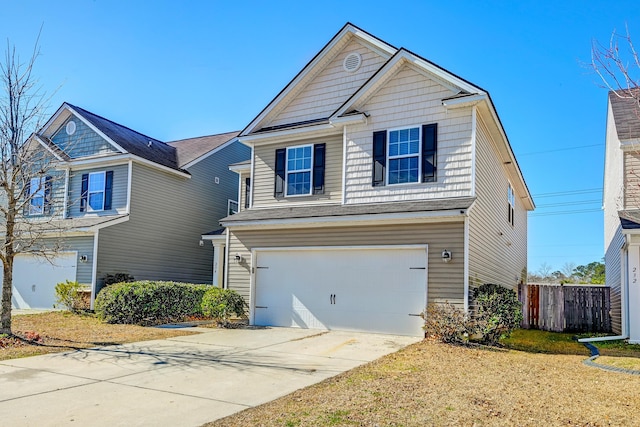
(352, 62)
(70, 128)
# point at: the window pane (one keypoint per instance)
(393, 137)
(299, 183)
(96, 182)
(96, 201)
(414, 134)
(393, 149)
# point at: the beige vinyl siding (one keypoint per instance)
(497, 250)
(445, 280)
(613, 278)
(118, 195)
(632, 180)
(331, 87)
(83, 245)
(410, 99)
(264, 173)
(168, 215)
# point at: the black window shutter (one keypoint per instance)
(108, 189)
(281, 158)
(247, 192)
(27, 197)
(429, 152)
(379, 158)
(318, 168)
(48, 202)
(84, 192)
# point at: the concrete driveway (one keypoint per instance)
(183, 381)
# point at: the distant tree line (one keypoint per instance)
(592, 273)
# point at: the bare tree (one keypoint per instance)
(618, 65)
(26, 171)
(545, 271)
(567, 270)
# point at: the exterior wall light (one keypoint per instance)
(446, 256)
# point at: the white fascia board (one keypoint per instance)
(120, 159)
(287, 134)
(64, 107)
(209, 153)
(466, 101)
(45, 145)
(630, 145)
(348, 220)
(240, 168)
(95, 129)
(630, 231)
(216, 238)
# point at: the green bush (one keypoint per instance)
(221, 304)
(69, 294)
(149, 303)
(447, 323)
(498, 312)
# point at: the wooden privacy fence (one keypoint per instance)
(566, 308)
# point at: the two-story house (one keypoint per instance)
(378, 182)
(118, 201)
(621, 197)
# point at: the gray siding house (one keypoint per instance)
(379, 182)
(117, 201)
(622, 213)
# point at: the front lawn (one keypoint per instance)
(60, 331)
(437, 384)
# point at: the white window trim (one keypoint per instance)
(286, 172)
(511, 199)
(33, 194)
(403, 156)
(103, 191)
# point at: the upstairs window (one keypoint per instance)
(511, 198)
(36, 190)
(96, 191)
(404, 156)
(299, 170)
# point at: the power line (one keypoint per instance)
(579, 202)
(565, 212)
(568, 193)
(578, 147)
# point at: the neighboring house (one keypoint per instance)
(379, 182)
(622, 214)
(118, 201)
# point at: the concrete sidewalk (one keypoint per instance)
(183, 381)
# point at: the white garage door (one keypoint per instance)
(35, 279)
(379, 289)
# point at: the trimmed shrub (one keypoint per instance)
(447, 323)
(498, 312)
(221, 304)
(69, 294)
(149, 303)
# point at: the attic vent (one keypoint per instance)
(70, 128)
(149, 144)
(352, 62)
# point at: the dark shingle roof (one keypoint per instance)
(191, 149)
(346, 210)
(131, 141)
(630, 219)
(626, 114)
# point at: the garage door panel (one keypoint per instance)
(364, 289)
(35, 278)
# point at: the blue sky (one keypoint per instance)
(181, 69)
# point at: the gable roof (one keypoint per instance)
(131, 141)
(626, 114)
(347, 32)
(190, 150)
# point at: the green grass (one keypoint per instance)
(535, 341)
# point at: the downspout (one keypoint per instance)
(624, 295)
(94, 271)
(344, 165)
(466, 259)
(225, 274)
(66, 193)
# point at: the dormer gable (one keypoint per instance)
(350, 58)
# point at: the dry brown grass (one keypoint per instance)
(431, 384)
(61, 331)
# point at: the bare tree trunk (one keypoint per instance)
(7, 280)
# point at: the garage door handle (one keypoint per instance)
(417, 268)
(261, 306)
(417, 315)
(332, 299)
